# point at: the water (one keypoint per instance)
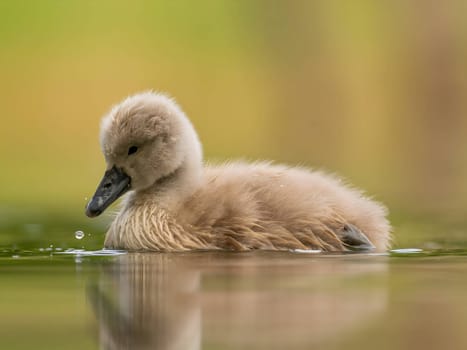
(65, 295)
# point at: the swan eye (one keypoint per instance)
(132, 150)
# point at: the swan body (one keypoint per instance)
(175, 203)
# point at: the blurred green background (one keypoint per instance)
(372, 90)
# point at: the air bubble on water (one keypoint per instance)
(15, 256)
(79, 234)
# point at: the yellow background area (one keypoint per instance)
(374, 91)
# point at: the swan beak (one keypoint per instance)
(113, 185)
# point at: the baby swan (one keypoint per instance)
(176, 203)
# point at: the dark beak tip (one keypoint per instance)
(92, 212)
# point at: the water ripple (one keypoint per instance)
(101, 252)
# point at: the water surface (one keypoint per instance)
(61, 292)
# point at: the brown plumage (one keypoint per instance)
(176, 203)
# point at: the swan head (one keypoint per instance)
(144, 139)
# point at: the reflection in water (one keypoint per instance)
(146, 301)
(232, 300)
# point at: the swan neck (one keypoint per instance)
(169, 191)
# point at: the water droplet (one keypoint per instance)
(79, 234)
